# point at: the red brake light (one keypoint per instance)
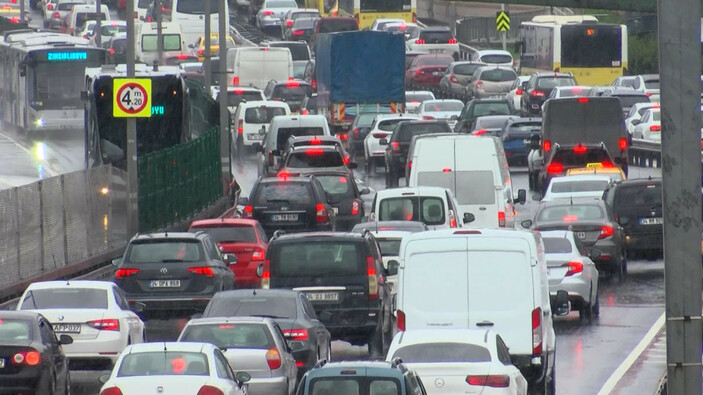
(607, 163)
(298, 32)
(258, 255)
(452, 41)
(605, 231)
(355, 207)
(395, 147)
(238, 91)
(583, 100)
(495, 381)
(373, 280)
(536, 93)
(479, 132)
(546, 145)
(289, 23)
(501, 219)
(574, 267)
(570, 218)
(400, 320)
(235, 81)
(283, 175)
(121, 273)
(182, 57)
(648, 94)
(321, 214)
(111, 391)
(315, 141)
(31, 358)
(208, 390)
(577, 90)
(452, 78)
(580, 149)
(419, 41)
(537, 331)
(346, 160)
(202, 271)
(266, 275)
(267, 13)
(296, 334)
(56, 15)
(622, 143)
(479, 84)
(518, 91)
(655, 128)
(112, 51)
(427, 117)
(273, 358)
(356, 133)
(446, 170)
(248, 211)
(105, 325)
(555, 168)
(314, 151)
(200, 52)
(240, 126)
(292, 84)
(49, 7)
(379, 135)
(313, 83)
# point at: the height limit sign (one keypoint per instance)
(132, 98)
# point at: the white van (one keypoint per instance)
(276, 138)
(256, 66)
(252, 119)
(487, 278)
(82, 13)
(146, 46)
(475, 169)
(190, 15)
(434, 206)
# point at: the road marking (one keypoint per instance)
(630, 360)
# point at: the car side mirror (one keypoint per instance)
(594, 254)
(260, 270)
(383, 141)
(521, 196)
(624, 221)
(392, 267)
(229, 258)
(65, 340)
(365, 191)
(636, 121)
(243, 201)
(242, 377)
(454, 117)
(104, 378)
(561, 304)
(469, 217)
(353, 165)
(117, 261)
(137, 307)
(526, 223)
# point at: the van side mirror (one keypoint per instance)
(383, 141)
(469, 217)
(260, 270)
(561, 305)
(392, 267)
(521, 196)
(526, 223)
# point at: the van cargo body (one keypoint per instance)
(256, 66)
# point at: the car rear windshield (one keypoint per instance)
(66, 6)
(389, 247)
(174, 250)
(498, 75)
(573, 212)
(427, 209)
(568, 157)
(338, 26)
(443, 353)
(490, 123)
(363, 120)
(290, 192)
(65, 298)
(291, 93)
(285, 133)
(298, 51)
(336, 185)
(410, 130)
(262, 114)
(235, 97)
(496, 58)
(466, 69)
(274, 307)
(524, 128)
(389, 124)
(314, 157)
(418, 97)
(436, 37)
(433, 60)
(579, 186)
(12, 330)
(491, 108)
(111, 30)
(630, 100)
(556, 245)
(164, 363)
(229, 234)
(230, 335)
(651, 84)
(355, 386)
(553, 82)
(320, 258)
(304, 23)
(443, 106)
(647, 195)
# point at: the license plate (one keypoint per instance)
(581, 235)
(256, 137)
(335, 210)
(2, 363)
(594, 165)
(323, 296)
(651, 221)
(165, 283)
(284, 217)
(67, 328)
(436, 50)
(437, 73)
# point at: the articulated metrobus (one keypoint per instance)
(594, 52)
(41, 75)
(366, 11)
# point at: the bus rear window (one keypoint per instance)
(591, 46)
(436, 37)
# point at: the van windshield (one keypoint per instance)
(321, 258)
(427, 209)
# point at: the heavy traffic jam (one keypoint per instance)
(450, 291)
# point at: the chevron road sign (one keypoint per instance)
(502, 21)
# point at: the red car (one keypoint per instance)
(244, 238)
(427, 70)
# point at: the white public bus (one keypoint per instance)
(190, 14)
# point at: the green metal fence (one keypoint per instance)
(177, 182)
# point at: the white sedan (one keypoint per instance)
(649, 126)
(447, 110)
(381, 128)
(95, 314)
(577, 186)
(636, 112)
(173, 368)
(459, 361)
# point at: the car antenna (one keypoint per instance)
(165, 349)
(254, 291)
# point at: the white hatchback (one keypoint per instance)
(95, 314)
(649, 127)
(381, 128)
(445, 109)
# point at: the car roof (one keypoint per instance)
(639, 181)
(296, 10)
(582, 87)
(218, 320)
(321, 171)
(626, 92)
(318, 235)
(385, 117)
(259, 103)
(224, 221)
(390, 234)
(362, 368)
(168, 346)
(412, 191)
(412, 226)
(302, 148)
(419, 92)
(516, 119)
(166, 235)
(94, 284)
(420, 336)
(243, 88)
(436, 29)
(253, 293)
(271, 180)
(19, 314)
(553, 74)
(493, 52)
(569, 202)
(430, 101)
(580, 177)
(490, 100)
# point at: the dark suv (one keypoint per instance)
(343, 276)
(538, 88)
(291, 92)
(289, 203)
(564, 157)
(479, 108)
(399, 144)
(173, 273)
(637, 206)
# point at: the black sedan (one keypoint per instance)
(31, 357)
(306, 335)
(343, 195)
(593, 224)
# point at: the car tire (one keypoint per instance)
(596, 306)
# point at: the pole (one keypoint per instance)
(206, 51)
(159, 6)
(98, 5)
(225, 133)
(23, 18)
(132, 201)
(679, 67)
(503, 33)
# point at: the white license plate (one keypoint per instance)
(2, 363)
(323, 296)
(651, 221)
(256, 137)
(165, 283)
(436, 50)
(437, 73)
(581, 235)
(284, 217)
(335, 210)
(67, 328)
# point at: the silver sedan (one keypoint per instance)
(569, 268)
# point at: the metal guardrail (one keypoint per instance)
(646, 153)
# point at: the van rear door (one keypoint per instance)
(433, 291)
(501, 290)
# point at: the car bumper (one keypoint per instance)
(22, 382)
(169, 305)
(609, 252)
(268, 386)
(251, 138)
(644, 241)
(349, 323)
(578, 287)
(270, 23)
(429, 80)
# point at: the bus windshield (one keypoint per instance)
(591, 46)
(48, 92)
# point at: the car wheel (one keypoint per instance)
(596, 306)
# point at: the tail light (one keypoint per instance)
(605, 231)
(537, 331)
(112, 51)
(580, 149)
(479, 132)
(298, 32)
(267, 13)
(321, 214)
(356, 133)
(607, 163)
(373, 280)
(235, 81)
(419, 41)
(418, 71)
(452, 78)
(273, 358)
(622, 143)
(86, 36)
(452, 219)
(202, 271)
(200, 52)
(122, 273)
(346, 160)
(240, 126)
(414, 15)
(501, 219)
(536, 93)
(136, 15)
(289, 23)
(655, 128)
(209, 390)
(574, 268)
(314, 84)
(56, 15)
(649, 94)
(427, 117)
(258, 255)
(395, 147)
(111, 391)
(148, 19)
(343, 136)
(266, 275)
(110, 324)
(400, 320)
(49, 7)
(494, 381)
(582, 100)
(518, 91)
(555, 168)
(355, 207)
(248, 211)
(451, 41)
(546, 145)
(296, 334)
(30, 358)
(479, 84)
(379, 135)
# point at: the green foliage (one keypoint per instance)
(643, 54)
